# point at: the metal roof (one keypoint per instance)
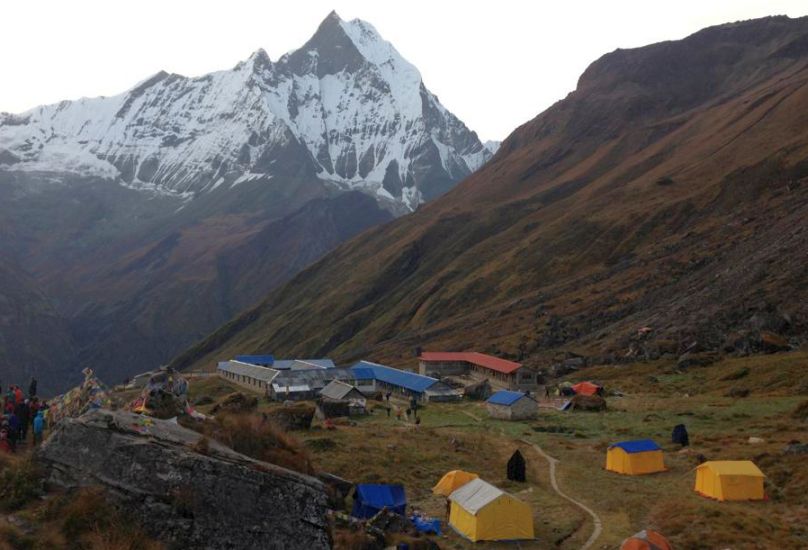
(637, 446)
(280, 388)
(302, 364)
(336, 389)
(395, 377)
(316, 378)
(244, 369)
(475, 358)
(476, 495)
(263, 360)
(505, 397)
(363, 373)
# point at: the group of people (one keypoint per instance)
(21, 414)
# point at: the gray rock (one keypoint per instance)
(216, 500)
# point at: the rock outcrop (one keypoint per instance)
(216, 500)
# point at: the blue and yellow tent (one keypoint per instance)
(635, 458)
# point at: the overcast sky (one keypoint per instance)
(494, 63)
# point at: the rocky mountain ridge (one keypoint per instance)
(145, 220)
(346, 107)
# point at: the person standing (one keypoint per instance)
(22, 411)
(39, 427)
(13, 430)
(32, 387)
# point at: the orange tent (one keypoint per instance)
(646, 540)
(585, 388)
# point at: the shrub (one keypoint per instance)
(86, 511)
(737, 392)
(89, 521)
(20, 483)
(801, 412)
(258, 438)
(736, 375)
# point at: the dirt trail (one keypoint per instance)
(598, 525)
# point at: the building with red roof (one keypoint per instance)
(477, 366)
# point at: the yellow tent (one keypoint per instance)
(452, 481)
(730, 480)
(480, 511)
(635, 458)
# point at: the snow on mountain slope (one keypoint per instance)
(346, 107)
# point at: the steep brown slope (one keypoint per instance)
(31, 332)
(669, 190)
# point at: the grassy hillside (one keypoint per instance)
(656, 397)
(670, 190)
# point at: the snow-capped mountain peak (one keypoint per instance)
(346, 108)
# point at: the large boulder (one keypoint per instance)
(187, 493)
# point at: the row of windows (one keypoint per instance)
(243, 379)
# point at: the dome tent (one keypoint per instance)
(370, 499)
(646, 540)
(452, 481)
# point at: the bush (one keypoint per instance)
(20, 483)
(801, 412)
(738, 392)
(321, 444)
(736, 375)
(258, 438)
(87, 511)
(87, 520)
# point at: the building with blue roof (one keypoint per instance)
(638, 457)
(300, 379)
(260, 360)
(512, 405)
(405, 384)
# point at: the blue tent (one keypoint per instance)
(637, 446)
(371, 498)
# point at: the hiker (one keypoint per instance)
(387, 396)
(32, 387)
(39, 427)
(547, 392)
(22, 411)
(18, 396)
(398, 413)
(13, 430)
(5, 445)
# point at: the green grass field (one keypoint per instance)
(378, 448)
